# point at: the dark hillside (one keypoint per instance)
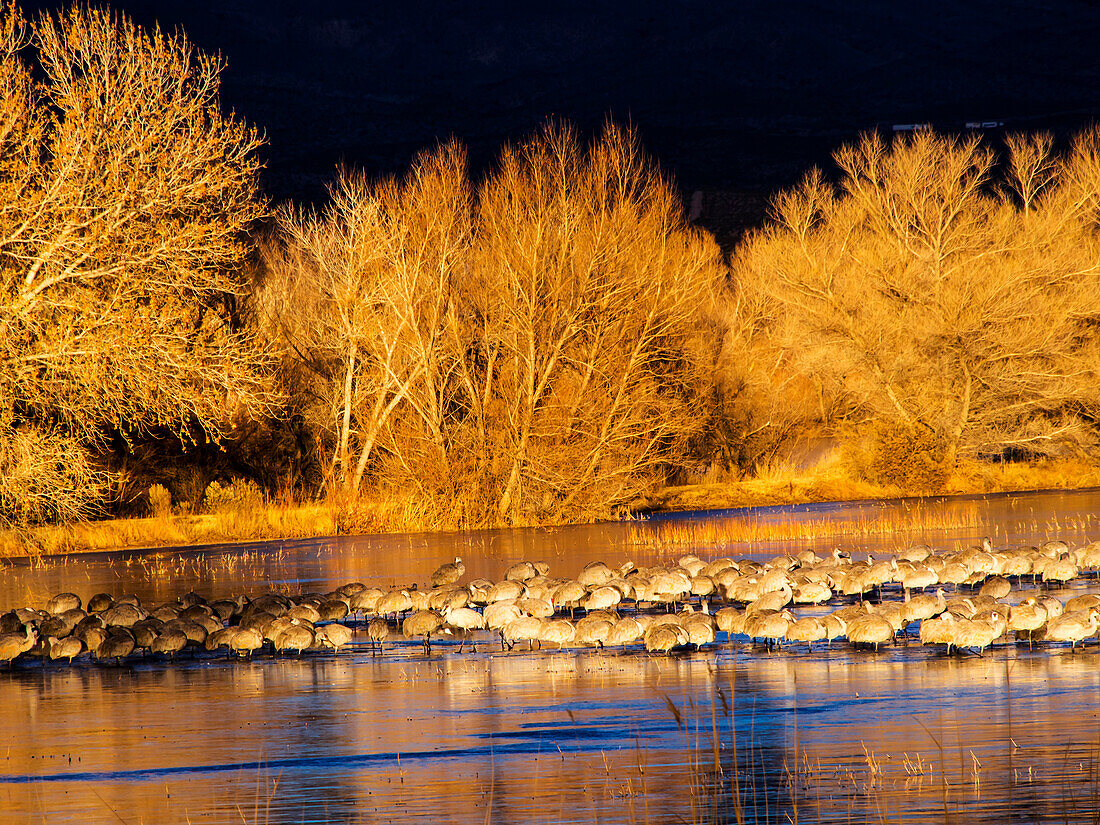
(727, 95)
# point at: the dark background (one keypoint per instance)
(740, 97)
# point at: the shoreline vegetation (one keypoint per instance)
(260, 519)
(555, 341)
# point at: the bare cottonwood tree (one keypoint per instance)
(360, 297)
(125, 195)
(535, 352)
(592, 335)
(937, 297)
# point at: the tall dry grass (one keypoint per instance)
(269, 521)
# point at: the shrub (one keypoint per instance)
(910, 458)
(239, 496)
(46, 476)
(160, 501)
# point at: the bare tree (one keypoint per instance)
(939, 298)
(599, 296)
(536, 352)
(125, 197)
(360, 298)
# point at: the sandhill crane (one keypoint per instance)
(464, 619)
(118, 644)
(979, 632)
(595, 574)
(524, 628)
(661, 638)
(170, 641)
(812, 592)
(448, 597)
(1073, 627)
(122, 615)
(1026, 618)
(448, 573)
(996, 587)
(296, 636)
(521, 572)
(334, 636)
(700, 628)
(100, 602)
(558, 631)
(939, 630)
(809, 629)
(771, 627)
(625, 631)
(871, 629)
(378, 629)
(772, 600)
(592, 630)
(423, 623)
(925, 606)
(1060, 570)
(726, 618)
(1086, 601)
(62, 602)
(365, 601)
(245, 641)
(68, 648)
(394, 603)
(13, 645)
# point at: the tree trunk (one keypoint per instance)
(960, 424)
(345, 426)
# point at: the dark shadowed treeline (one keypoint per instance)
(549, 342)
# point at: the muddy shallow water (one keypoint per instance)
(729, 734)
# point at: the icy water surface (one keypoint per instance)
(729, 734)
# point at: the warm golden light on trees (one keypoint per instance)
(359, 295)
(532, 351)
(125, 196)
(943, 295)
(546, 344)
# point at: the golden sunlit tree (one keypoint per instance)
(538, 349)
(950, 297)
(358, 295)
(125, 195)
(588, 334)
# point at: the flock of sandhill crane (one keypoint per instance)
(660, 609)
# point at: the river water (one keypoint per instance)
(732, 733)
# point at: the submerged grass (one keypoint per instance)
(734, 778)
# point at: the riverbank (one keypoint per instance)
(262, 521)
(833, 483)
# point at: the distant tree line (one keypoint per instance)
(542, 345)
